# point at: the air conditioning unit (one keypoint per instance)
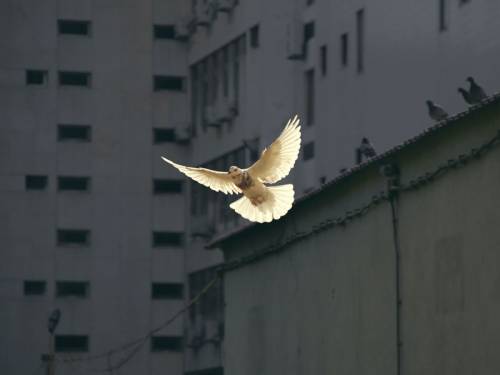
(211, 118)
(224, 111)
(226, 5)
(202, 227)
(202, 17)
(183, 30)
(197, 334)
(232, 108)
(183, 135)
(295, 40)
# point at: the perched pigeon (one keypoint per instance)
(476, 92)
(366, 149)
(260, 203)
(436, 112)
(465, 95)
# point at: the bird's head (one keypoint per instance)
(234, 172)
(364, 140)
(429, 103)
(470, 80)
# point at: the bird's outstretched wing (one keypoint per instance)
(215, 180)
(278, 159)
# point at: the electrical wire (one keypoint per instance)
(136, 344)
(451, 164)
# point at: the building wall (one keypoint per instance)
(120, 210)
(327, 303)
(407, 59)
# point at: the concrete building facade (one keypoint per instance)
(350, 69)
(406, 284)
(92, 93)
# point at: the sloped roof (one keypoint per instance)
(376, 159)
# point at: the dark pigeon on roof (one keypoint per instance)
(476, 92)
(436, 112)
(367, 148)
(465, 95)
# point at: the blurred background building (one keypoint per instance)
(92, 93)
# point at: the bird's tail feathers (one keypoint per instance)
(278, 202)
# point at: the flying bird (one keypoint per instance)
(260, 203)
(465, 95)
(476, 92)
(435, 111)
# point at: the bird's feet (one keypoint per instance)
(257, 200)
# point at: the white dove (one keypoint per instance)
(260, 203)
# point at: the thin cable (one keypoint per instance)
(426, 178)
(140, 341)
(397, 280)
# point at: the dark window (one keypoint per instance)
(163, 135)
(308, 152)
(73, 183)
(171, 83)
(360, 38)
(72, 289)
(309, 93)
(443, 15)
(36, 182)
(74, 133)
(36, 77)
(254, 36)
(74, 79)
(161, 239)
(167, 291)
(164, 31)
(73, 27)
(162, 186)
(164, 343)
(34, 288)
(308, 31)
(71, 343)
(73, 237)
(210, 305)
(323, 59)
(225, 72)
(344, 49)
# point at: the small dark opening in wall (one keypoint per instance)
(165, 186)
(167, 291)
(163, 135)
(71, 343)
(323, 58)
(344, 49)
(36, 182)
(164, 31)
(81, 133)
(73, 183)
(73, 27)
(171, 83)
(72, 289)
(73, 237)
(36, 77)
(166, 343)
(164, 239)
(74, 79)
(308, 151)
(254, 36)
(34, 288)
